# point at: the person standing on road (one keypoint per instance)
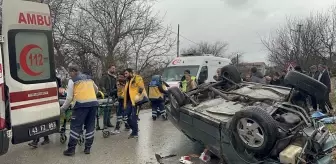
(156, 94)
(85, 104)
(120, 110)
(276, 79)
(109, 86)
(183, 83)
(314, 73)
(191, 83)
(257, 76)
(135, 94)
(325, 79)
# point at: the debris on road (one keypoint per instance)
(159, 158)
(204, 157)
(185, 160)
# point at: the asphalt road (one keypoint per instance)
(159, 137)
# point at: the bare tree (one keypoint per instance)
(236, 57)
(217, 49)
(307, 41)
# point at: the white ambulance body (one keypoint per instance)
(29, 106)
(204, 67)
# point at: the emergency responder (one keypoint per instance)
(82, 94)
(156, 91)
(120, 110)
(109, 87)
(135, 94)
(183, 83)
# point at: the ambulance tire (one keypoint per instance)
(306, 84)
(231, 72)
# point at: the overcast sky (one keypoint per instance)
(241, 23)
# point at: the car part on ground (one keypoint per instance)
(250, 122)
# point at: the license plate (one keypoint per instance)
(42, 128)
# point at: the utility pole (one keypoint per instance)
(299, 38)
(237, 60)
(178, 40)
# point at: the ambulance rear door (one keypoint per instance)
(29, 70)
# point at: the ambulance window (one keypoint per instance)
(31, 56)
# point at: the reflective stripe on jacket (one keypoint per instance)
(84, 92)
(132, 86)
(184, 84)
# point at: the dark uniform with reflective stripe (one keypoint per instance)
(85, 106)
(156, 91)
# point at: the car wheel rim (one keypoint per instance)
(250, 132)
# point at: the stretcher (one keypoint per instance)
(103, 104)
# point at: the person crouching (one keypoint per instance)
(85, 104)
(156, 92)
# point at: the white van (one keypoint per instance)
(29, 106)
(204, 67)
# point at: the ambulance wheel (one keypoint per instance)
(106, 134)
(63, 138)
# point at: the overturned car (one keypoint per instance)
(244, 122)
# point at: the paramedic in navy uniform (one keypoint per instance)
(82, 95)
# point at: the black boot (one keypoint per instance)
(87, 150)
(69, 152)
(46, 141)
(110, 125)
(33, 144)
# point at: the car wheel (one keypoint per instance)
(177, 99)
(255, 129)
(231, 72)
(178, 95)
(307, 84)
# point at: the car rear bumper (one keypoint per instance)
(4, 141)
(21, 132)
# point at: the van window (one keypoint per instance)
(31, 56)
(175, 73)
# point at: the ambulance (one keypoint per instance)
(202, 66)
(29, 106)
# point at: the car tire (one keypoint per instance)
(306, 84)
(177, 93)
(176, 99)
(257, 123)
(231, 72)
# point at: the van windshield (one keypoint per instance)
(175, 73)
